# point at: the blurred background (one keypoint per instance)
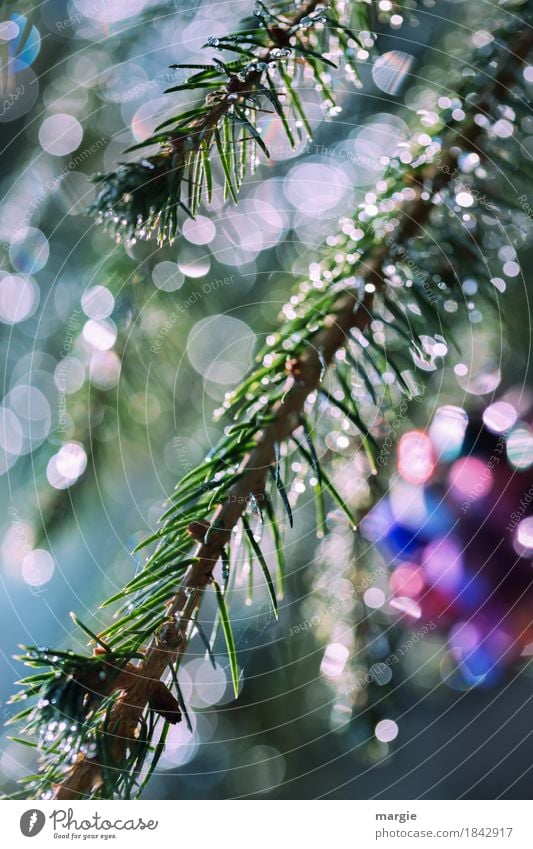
(116, 355)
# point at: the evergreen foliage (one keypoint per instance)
(385, 285)
(270, 59)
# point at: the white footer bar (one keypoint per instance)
(263, 824)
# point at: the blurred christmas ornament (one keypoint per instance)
(456, 530)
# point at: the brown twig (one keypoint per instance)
(170, 642)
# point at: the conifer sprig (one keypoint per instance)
(265, 65)
(381, 283)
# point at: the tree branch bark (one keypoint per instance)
(170, 643)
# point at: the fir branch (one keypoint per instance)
(329, 315)
(147, 198)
